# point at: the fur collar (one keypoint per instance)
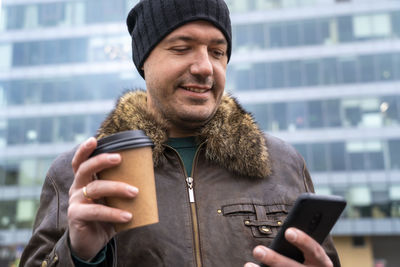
(232, 138)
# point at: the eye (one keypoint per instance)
(180, 49)
(218, 53)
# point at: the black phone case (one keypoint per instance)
(313, 214)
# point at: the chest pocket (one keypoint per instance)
(263, 220)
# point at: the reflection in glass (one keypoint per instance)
(297, 115)
(277, 74)
(315, 114)
(318, 155)
(337, 156)
(293, 34)
(394, 148)
(294, 73)
(348, 70)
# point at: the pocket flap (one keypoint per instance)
(238, 209)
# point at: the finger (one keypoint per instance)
(250, 264)
(313, 252)
(83, 152)
(88, 168)
(98, 213)
(103, 188)
(272, 258)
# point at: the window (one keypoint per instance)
(243, 77)
(389, 108)
(395, 18)
(367, 68)
(315, 114)
(355, 151)
(329, 71)
(26, 211)
(310, 32)
(318, 154)
(396, 59)
(297, 115)
(260, 75)
(332, 113)
(7, 214)
(51, 14)
(394, 148)
(277, 74)
(15, 17)
(327, 31)
(311, 72)
(345, 29)
(337, 156)
(374, 155)
(104, 10)
(348, 70)
(243, 37)
(11, 171)
(385, 67)
(279, 116)
(359, 201)
(294, 73)
(352, 112)
(46, 127)
(5, 56)
(293, 36)
(275, 35)
(381, 25)
(302, 149)
(258, 36)
(50, 52)
(261, 114)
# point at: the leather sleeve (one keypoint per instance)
(49, 245)
(328, 243)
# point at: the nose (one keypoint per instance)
(202, 66)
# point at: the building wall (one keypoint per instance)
(323, 75)
(354, 256)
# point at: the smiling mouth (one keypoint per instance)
(195, 90)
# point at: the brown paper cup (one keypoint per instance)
(137, 170)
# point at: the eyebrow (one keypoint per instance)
(185, 38)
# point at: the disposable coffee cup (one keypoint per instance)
(136, 169)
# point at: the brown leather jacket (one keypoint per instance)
(244, 186)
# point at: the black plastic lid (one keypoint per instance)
(121, 141)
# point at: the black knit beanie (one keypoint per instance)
(151, 20)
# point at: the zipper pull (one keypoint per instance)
(189, 182)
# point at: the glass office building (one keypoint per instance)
(323, 75)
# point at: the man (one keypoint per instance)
(243, 183)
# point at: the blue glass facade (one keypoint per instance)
(321, 74)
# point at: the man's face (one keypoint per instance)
(185, 76)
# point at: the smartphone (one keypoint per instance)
(313, 214)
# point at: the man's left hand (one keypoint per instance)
(313, 252)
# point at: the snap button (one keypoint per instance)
(219, 211)
(246, 222)
(44, 264)
(55, 259)
(279, 222)
(265, 229)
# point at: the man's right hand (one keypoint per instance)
(89, 221)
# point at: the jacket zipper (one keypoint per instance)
(195, 226)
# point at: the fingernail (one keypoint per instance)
(291, 235)
(89, 142)
(259, 253)
(133, 190)
(126, 216)
(113, 158)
